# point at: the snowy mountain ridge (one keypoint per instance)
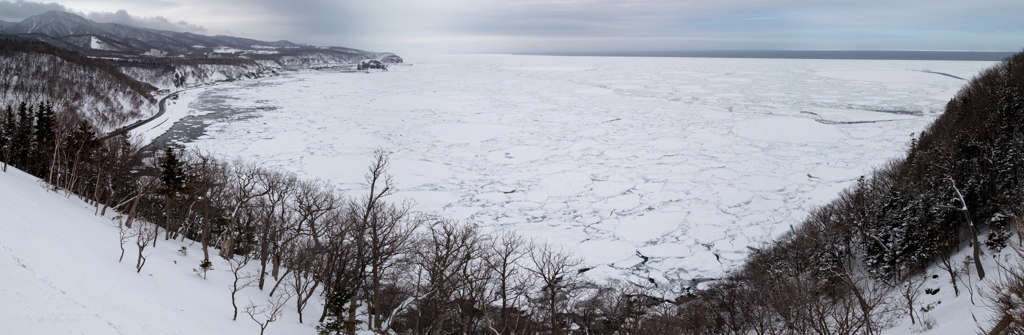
(73, 32)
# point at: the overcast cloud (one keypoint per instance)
(156, 22)
(19, 10)
(418, 26)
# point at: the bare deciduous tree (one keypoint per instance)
(947, 264)
(556, 271)
(246, 185)
(267, 313)
(504, 254)
(910, 290)
(241, 278)
(965, 268)
(143, 234)
(385, 233)
(301, 263)
(124, 234)
(447, 255)
(276, 221)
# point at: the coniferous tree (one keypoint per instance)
(172, 174)
(44, 136)
(334, 305)
(172, 185)
(7, 125)
(22, 139)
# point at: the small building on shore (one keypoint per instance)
(296, 67)
(156, 53)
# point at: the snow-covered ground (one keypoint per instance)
(60, 274)
(687, 161)
(950, 313)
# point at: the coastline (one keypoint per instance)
(184, 120)
(175, 110)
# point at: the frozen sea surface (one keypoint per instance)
(686, 161)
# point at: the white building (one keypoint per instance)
(156, 53)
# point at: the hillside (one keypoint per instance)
(930, 221)
(34, 72)
(173, 73)
(59, 263)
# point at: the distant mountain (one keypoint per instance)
(73, 32)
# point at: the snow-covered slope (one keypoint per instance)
(60, 273)
(947, 311)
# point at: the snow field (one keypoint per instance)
(687, 161)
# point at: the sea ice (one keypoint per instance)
(687, 160)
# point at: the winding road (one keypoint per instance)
(125, 129)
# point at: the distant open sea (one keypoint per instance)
(805, 54)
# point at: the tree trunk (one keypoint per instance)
(276, 262)
(131, 213)
(96, 193)
(206, 240)
(53, 166)
(910, 304)
(554, 329)
(286, 272)
(227, 250)
(351, 324)
(376, 299)
(323, 315)
(110, 197)
(263, 268)
(977, 249)
(1002, 325)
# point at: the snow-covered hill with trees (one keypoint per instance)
(33, 72)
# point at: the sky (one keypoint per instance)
(552, 26)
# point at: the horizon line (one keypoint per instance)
(951, 55)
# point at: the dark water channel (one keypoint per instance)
(217, 105)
